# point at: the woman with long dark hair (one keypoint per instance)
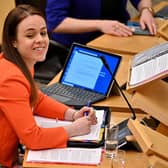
(25, 42)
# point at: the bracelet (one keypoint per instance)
(150, 9)
(73, 119)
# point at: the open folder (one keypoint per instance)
(92, 140)
(148, 66)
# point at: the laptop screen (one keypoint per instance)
(90, 69)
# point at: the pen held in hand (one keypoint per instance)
(88, 105)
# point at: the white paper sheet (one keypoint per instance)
(149, 70)
(66, 155)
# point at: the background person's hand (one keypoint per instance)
(115, 28)
(147, 21)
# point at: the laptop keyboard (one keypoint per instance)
(71, 92)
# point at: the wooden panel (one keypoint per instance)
(6, 6)
(163, 30)
(153, 100)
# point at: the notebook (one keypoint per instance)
(87, 76)
(94, 139)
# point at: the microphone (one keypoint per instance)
(120, 90)
(123, 128)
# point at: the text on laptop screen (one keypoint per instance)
(90, 69)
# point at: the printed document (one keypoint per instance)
(67, 155)
(149, 70)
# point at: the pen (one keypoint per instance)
(88, 105)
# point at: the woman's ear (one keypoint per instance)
(14, 44)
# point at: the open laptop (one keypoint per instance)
(85, 77)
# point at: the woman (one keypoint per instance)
(82, 21)
(25, 42)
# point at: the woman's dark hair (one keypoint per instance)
(9, 36)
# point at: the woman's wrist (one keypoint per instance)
(70, 115)
(73, 115)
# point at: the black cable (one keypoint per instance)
(125, 98)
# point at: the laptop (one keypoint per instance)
(87, 76)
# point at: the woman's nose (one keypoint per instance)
(39, 38)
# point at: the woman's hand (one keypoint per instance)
(82, 123)
(80, 126)
(90, 114)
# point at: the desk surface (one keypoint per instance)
(125, 45)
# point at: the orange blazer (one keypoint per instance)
(16, 116)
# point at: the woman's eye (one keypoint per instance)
(44, 33)
(29, 35)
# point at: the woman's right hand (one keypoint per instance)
(80, 126)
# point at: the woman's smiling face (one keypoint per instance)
(32, 40)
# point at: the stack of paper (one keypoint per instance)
(67, 155)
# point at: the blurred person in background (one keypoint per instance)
(81, 21)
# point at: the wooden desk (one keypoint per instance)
(125, 45)
(133, 158)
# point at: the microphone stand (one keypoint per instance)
(119, 88)
(125, 98)
(123, 128)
